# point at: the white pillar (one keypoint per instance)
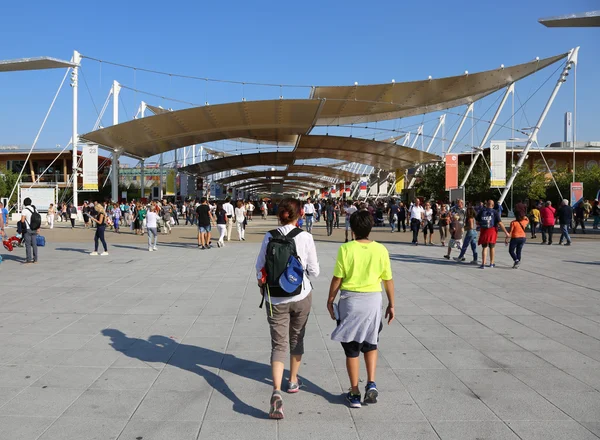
(114, 178)
(160, 177)
(142, 179)
(74, 136)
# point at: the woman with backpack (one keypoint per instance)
(517, 237)
(287, 312)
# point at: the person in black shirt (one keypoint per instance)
(205, 219)
(565, 216)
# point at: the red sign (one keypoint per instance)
(451, 171)
(348, 184)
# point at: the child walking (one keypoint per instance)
(456, 234)
(361, 266)
(517, 237)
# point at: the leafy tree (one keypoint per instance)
(431, 181)
(8, 181)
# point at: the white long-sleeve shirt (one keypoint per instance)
(305, 247)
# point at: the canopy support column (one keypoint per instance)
(74, 136)
(571, 62)
(142, 180)
(510, 89)
(114, 178)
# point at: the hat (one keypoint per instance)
(292, 276)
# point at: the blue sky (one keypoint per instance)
(310, 42)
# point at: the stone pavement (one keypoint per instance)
(172, 345)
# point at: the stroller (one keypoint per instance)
(379, 221)
(14, 241)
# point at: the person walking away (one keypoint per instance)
(100, 221)
(228, 207)
(416, 215)
(205, 219)
(456, 235)
(402, 212)
(287, 314)
(142, 211)
(579, 216)
(587, 209)
(166, 217)
(489, 221)
(152, 227)
(329, 217)
(240, 216)
(309, 212)
(470, 236)
(72, 215)
(534, 216)
(521, 208)
(32, 221)
(221, 224)
(116, 217)
(4, 214)
(184, 213)
(175, 214)
(565, 217)
(85, 212)
(392, 212)
(596, 214)
(317, 211)
(49, 216)
(250, 210)
(349, 210)
(443, 224)
(428, 224)
(337, 210)
(361, 266)
(517, 237)
(547, 215)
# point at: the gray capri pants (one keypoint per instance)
(288, 326)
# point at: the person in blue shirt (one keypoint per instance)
(4, 212)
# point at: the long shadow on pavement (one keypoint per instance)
(195, 359)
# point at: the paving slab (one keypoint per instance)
(173, 345)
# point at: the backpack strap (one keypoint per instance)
(294, 233)
(275, 233)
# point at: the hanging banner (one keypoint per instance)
(171, 176)
(497, 164)
(332, 192)
(576, 192)
(451, 171)
(348, 185)
(399, 180)
(363, 188)
(90, 167)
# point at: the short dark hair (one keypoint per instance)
(203, 200)
(361, 223)
(27, 201)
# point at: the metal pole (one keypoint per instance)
(510, 89)
(571, 60)
(75, 138)
(574, 117)
(142, 180)
(114, 179)
(160, 177)
(435, 133)
(468, 111)
(512, 151)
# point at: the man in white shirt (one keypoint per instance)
(349, 210)
(250, 210)
(309, 212)
(228, 207)
(29, 234)
(264, 208)
(417, 215)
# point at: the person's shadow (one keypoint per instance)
(194, 359)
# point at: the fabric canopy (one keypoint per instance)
(294, 169)
(38, 63)
(378, 102)
(291, 180)
(276, 120)
(381, 155)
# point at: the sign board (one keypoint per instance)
(363, 187)
(171, 184)
(40, 197)
(124, 196)
(348, 185)
(451, 171)
(576, 192)
(497, 164)
(399, 180)
(90, 167)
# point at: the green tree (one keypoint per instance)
(8, 181)
(431, 181)
(528, 184)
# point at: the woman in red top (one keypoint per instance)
(547, 214)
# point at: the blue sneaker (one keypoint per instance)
(353, 400)
(371, 393)
(492, 265)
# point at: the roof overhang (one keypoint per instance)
(293, 169)
(582, 19)
(38, 63)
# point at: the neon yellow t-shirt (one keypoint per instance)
(362, 266)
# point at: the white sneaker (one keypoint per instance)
(155, 248)
(94, 253)
(150, 249)
(104, 253)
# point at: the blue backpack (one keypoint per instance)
(487, 218)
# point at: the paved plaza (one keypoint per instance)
(172, 345)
